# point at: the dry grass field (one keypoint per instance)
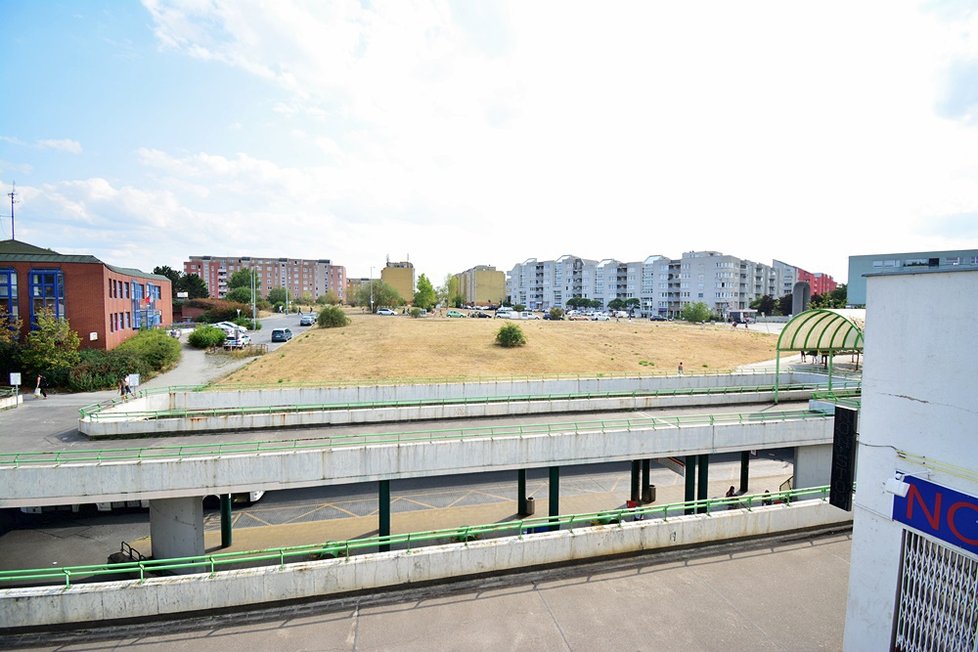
(378, 348)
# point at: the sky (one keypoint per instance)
(486, 132)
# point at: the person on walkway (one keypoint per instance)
(123, 387)
(680, 368)
(731, 492)
(39, 389)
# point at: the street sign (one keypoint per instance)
(941, 512)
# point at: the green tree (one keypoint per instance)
(51, 349)
(425, 298)
(242, 279)
(206, 336)
(383, 295)
(450, 293)
(239, 295)
(696, 312)
(9, 327)
(764, 305)
(172, 274)
(633, 303)
(784, 305)
(329, 299)
(332, 317)
(194, 286)
(510, 335)
(556, 314)
(616, 304)
(276, 296)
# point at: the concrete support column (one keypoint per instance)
(176, 528)
(554, 502)
(226, 536)
(744, 470)
(384, 512)
(521, 492)
(689, 469)
(813, 466)
(647, 481)
(635, 493)
(703, 481)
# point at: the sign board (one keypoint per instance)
(943, 513)
(93, 336)
(183, 295)
(843, 458)
(15, 378)
(133, 380)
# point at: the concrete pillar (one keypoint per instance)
(689, 469)
(647, 481)
(744, 470)
(384, 512)
(226, 535)
(554, 506)
(636, 467)
(813, 466)
(176, 528)
(521, 492)
(703, 481)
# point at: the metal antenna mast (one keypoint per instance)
(12, 194)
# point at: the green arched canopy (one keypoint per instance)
(824, 331)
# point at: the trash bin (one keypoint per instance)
(531, 506)
(648, 494)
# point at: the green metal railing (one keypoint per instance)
(213, 563)
(7, 392)
(97, 412)
(218, 449)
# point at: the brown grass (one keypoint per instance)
(379, 348)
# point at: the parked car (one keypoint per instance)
(237, 342)
(506, 314)
(281, 334)
(231, 326)
(526, 314)
(657, 318)
(600, 316)
(480, 315)
(454, 314)
(386, 311)
(307, 320)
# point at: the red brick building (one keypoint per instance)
(104, 304)
(820, 284)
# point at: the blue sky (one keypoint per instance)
(466, 133)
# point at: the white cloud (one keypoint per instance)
(463, 135)
(63, 145)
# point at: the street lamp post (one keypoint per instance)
(371, 290)
(254, 318)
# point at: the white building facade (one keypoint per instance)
(913, 581)
(662, 286)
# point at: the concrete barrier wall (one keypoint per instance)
(446, 391)
(125, 427)
(36, 607)
(11, 401)
(149, 479)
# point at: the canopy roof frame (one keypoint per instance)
(821, 330)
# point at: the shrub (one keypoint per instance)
(510, 335)
(332, 317)
(103, 369)
(155, 347)
(204, 337)
(556, 314)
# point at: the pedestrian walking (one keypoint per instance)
(680, 368)
(123, 387)
(39, 389)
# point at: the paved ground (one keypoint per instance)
(779, 594)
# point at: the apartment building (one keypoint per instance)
(662, 285)
(482, 285)
(400, 276)
(299, 276)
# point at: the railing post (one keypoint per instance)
(703, 485)
(226, 535)
(554, 506)
(689, 470)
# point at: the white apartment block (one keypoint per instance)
(298, 276)
(662, 285)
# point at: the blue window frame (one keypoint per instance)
(47, 293)
(8, 292)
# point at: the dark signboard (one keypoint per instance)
(843, 458)
(942, 513)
